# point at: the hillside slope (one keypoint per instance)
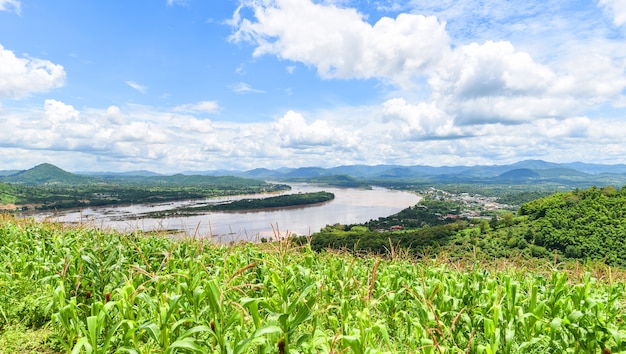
(46, 173)
(581, 224)
(578, 225)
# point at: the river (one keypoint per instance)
(350, 206)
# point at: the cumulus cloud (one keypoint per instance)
(20, 77)
(11, 5)
(397, 131)
(470, 84)
(57, 112)
(494, 82)
(418, 122)
(340, 43)
(136, 86)
(294, 132)
(618, 8)
(485, 83)
(203, 107)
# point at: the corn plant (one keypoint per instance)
(103, 292)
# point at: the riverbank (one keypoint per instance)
(350, 206)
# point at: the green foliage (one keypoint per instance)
(48, 187)
(333, 180)
(428, 212)
(100, 292)
(581, 224)
(7, 194)
(418, 241)
(273, 202)
(46, 174)
(281, 201)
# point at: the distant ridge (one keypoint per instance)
(520, 174)
(140, 173)
(46, 173)
(541, 168)
(8, 172)
(527, 171)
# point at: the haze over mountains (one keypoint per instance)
(520, 172)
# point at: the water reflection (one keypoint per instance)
(350, 206)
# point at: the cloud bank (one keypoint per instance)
(20, 77)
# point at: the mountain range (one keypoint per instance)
(521, 172)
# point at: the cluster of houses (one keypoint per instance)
(472, 206)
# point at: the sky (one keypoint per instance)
(196, 85)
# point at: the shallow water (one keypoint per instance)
(350, 206)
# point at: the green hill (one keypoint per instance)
(8, 172)
(520, 174)
(7, 193)
(46, 173)
(578, 225)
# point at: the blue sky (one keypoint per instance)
(191, 85)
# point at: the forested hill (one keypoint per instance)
(576, 225)
(46, 173)
(587, 223)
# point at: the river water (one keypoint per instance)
(350, 206)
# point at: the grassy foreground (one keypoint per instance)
(82, 290)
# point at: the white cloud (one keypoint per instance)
(618, 7)
(484, 82)
(340, 43)
(294, 132)
(397, 131)
(57, 112)
(493, 82)
(203, 107)
(20, 77)
(136, 86)
(417, 122)
(243, 88)
(11, 5)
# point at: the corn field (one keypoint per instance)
(106, 292)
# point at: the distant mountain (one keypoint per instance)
(140, 173)
(535, 165)
(8, 172)
(519, 172)
(596, 168)
(181, 179)
(237, 173)
(46, 174)
(561, 172)
(517, 175)
(308, 172)
(261, 173)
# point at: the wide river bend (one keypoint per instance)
(350, 206)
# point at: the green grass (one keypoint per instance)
(20, 339)
(83, 290)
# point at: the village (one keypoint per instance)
(439, 207)
(470, 206)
